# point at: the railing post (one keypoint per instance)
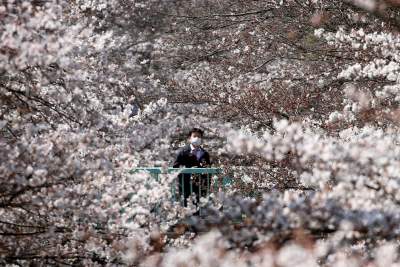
(191, 185)
(208, 184)
(173, 190)
(183, 189)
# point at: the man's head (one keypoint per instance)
(195, 136)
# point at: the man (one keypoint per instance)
(192, 155)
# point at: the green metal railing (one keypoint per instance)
(200, 181)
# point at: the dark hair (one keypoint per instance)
(196, 130)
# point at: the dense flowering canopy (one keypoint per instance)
(299, 101)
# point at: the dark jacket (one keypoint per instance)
(186, 159)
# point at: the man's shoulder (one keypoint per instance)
(204, 150)
(184, 149)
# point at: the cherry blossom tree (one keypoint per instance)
(299, 100)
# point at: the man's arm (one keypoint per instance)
(207, 159)
(179, 160)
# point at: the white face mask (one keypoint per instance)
(196, 141)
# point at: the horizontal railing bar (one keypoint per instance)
(155, 170)
(151, 170)
(195, 170)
